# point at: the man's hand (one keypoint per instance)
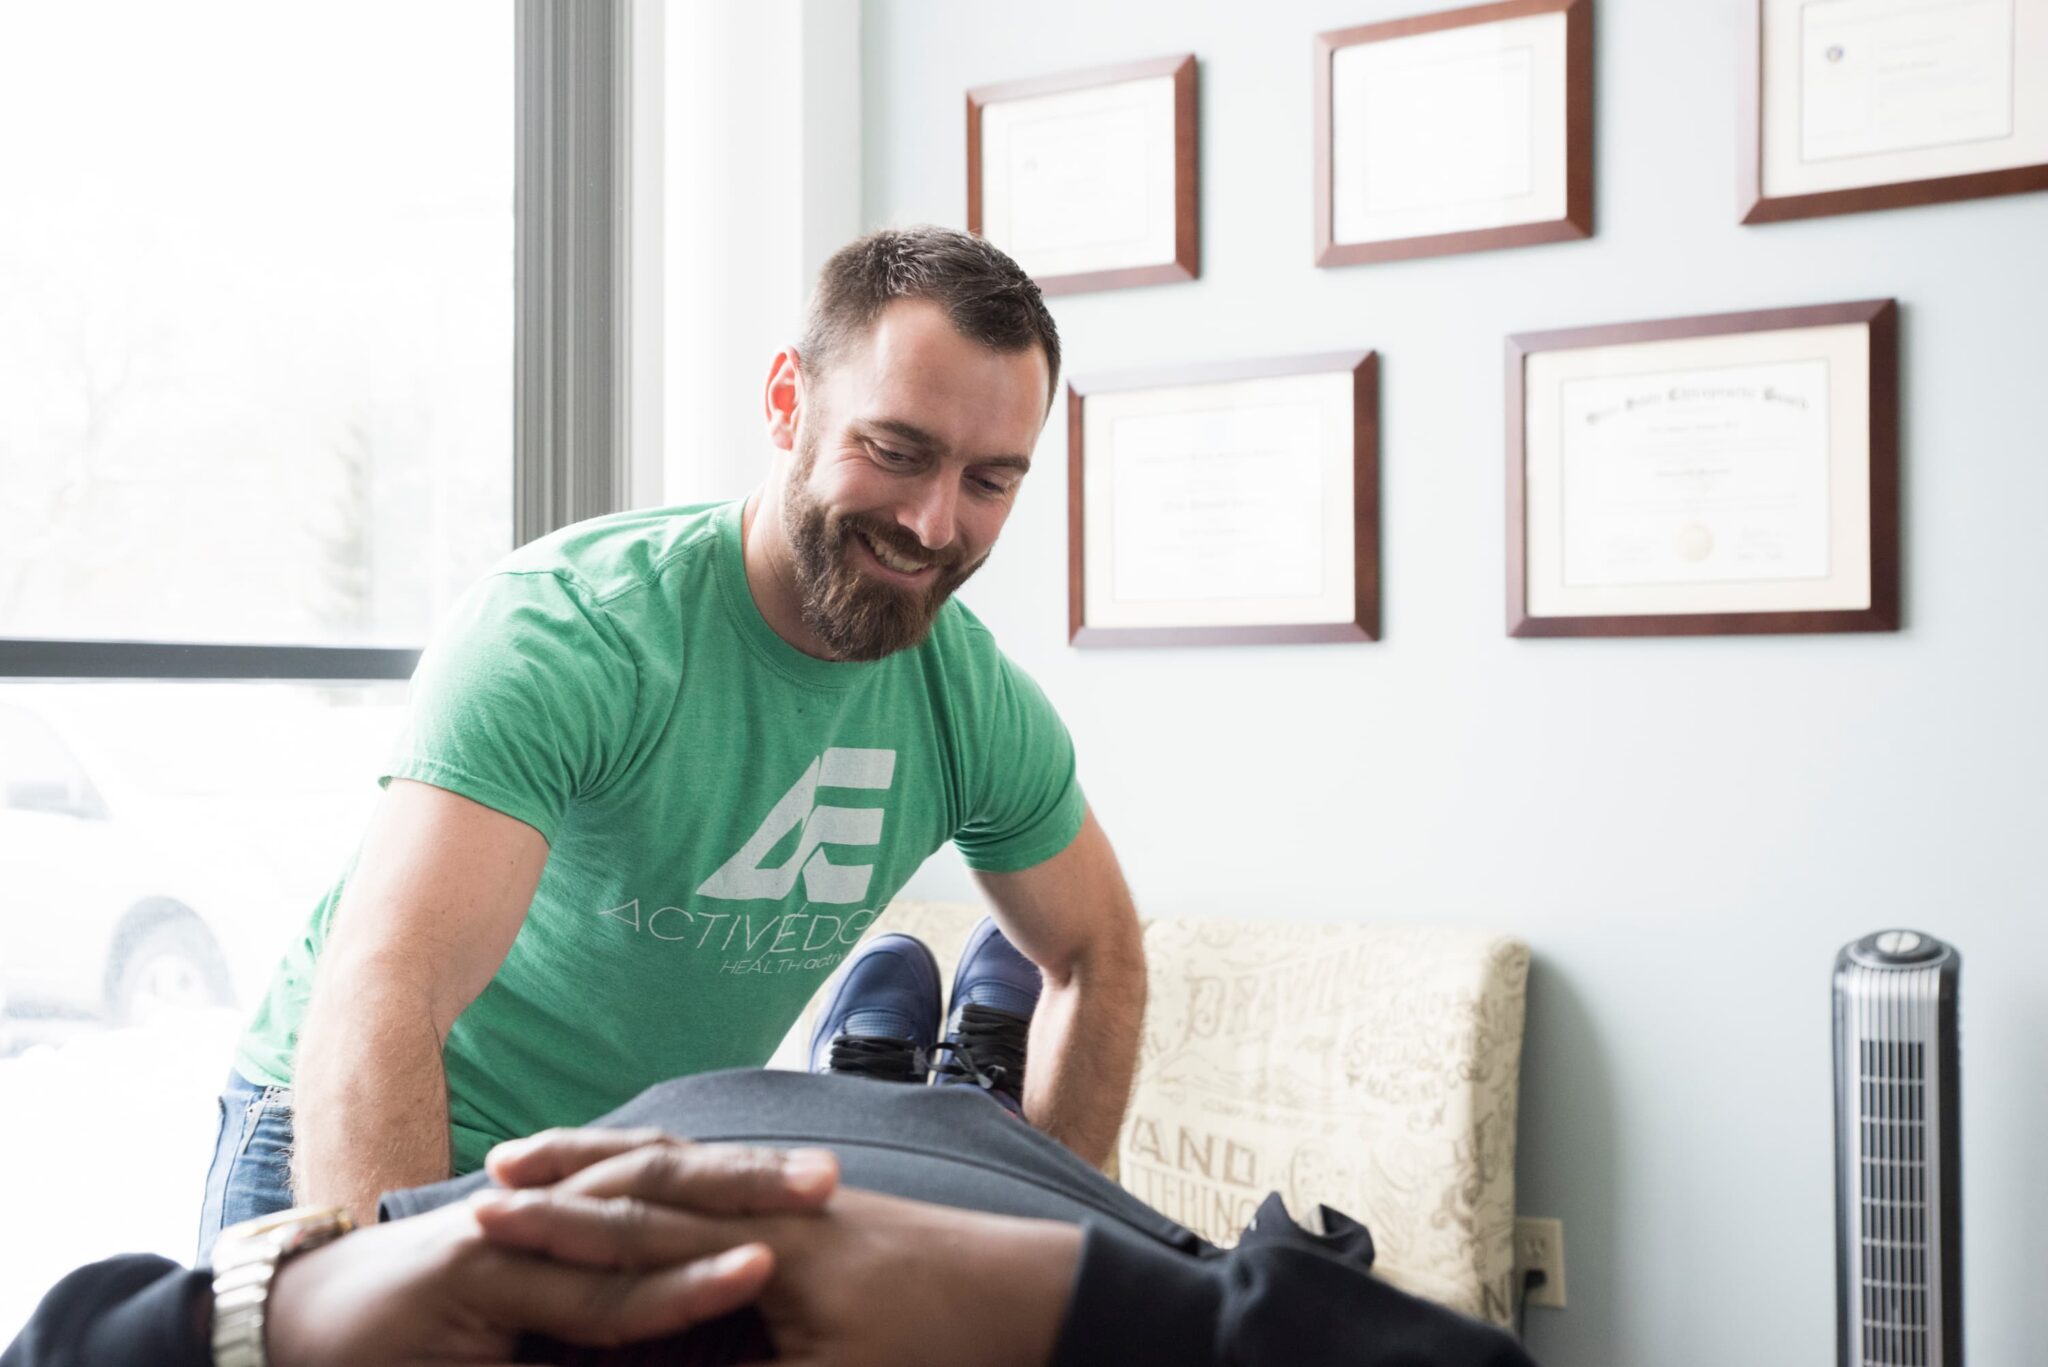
(873, 1280)
(433, 1289)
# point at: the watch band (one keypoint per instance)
(245, 1260)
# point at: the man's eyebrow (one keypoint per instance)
(906, 431)
(916, 436)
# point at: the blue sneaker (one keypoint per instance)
(883, 1016)
(995, 991)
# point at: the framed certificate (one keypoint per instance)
(1088, 179)
(1454, 132)
(1878, 104)
(1225, 504)
(1695, 476)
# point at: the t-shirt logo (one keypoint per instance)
(743, 878)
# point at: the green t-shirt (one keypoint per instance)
(724, 814)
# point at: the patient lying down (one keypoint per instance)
(744, 1216)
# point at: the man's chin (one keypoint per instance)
(873, 621)
(865, 647)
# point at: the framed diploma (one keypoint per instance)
(1225, 504)
(1088, 179)
(1454, 132)
(1695, 476)
(1878, 104)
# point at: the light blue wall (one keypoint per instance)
(1684, 830)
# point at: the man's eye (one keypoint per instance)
(991, 487)
(888, 457)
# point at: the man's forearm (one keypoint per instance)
(1084, 1051)
(370, 1096)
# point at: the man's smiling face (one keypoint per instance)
(909, 452)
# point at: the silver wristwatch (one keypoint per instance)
(245, 1258)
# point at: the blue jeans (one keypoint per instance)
(251, 1173)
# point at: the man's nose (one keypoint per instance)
(931, 511)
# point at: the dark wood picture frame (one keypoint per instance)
(1880, 317)
(1363, 367)
(1187, 234)
(1578, 169)
(1757, 207)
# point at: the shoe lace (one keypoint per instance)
(988, 1046)
(879, 1056)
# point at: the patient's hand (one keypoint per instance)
(722, 1179)
(872, 1280)
(434, 1289)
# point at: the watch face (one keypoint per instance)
(263, 1224)
(301, 1226)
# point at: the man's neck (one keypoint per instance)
(771, 575)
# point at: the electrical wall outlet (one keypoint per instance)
(1539, 1247)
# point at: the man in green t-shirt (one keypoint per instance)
(663, 768)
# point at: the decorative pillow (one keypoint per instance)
(1370, 1069)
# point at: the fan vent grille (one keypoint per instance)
(1892, 1081)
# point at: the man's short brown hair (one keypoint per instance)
(987, 296)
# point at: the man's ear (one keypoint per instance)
(783, 397)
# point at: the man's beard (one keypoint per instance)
(857, 616)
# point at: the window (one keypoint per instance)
(39, 774)
(257, 302)
(255, 318)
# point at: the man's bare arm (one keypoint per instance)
(1073, 917)
(438, 895)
